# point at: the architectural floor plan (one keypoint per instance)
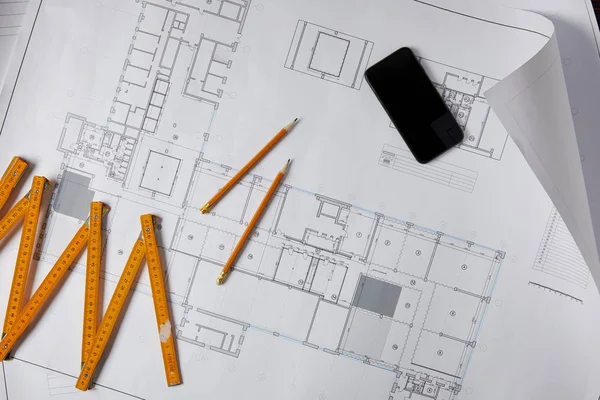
(369, 277)
(346, 274)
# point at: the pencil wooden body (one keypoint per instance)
(251, 225)
(253, 161)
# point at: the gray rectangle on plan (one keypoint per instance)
(376, 296)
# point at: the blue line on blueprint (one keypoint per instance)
(371, 212)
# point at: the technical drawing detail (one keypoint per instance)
(329, 54)
(436, 171)
(339, 272)
(558, 254)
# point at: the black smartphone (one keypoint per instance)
(414, 105)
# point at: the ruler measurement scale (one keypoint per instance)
(144, 247)
(28, 234)
(161, 307)
(10, 178)
(13, 217)
(94, 338)
(92, 280)
(15, 214)
(115, 306)
(50, 282)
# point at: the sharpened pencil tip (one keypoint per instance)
(286, 166)
(290, 125)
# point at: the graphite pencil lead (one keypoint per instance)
(290, 125)
(286, 166)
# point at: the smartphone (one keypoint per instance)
(414, 105)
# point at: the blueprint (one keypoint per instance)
(369, 277)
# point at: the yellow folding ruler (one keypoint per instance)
(88, 232)
(29, 209)
(10, 178)
(8, 182)
(144, 246)
(92, 278)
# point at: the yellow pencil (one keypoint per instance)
(261, 208)
(209, 204)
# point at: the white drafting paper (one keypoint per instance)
(17, 43)
(540, 122)
(370, 276)
(3, 393)
(577, 34)
(550, 142)
(11, 17)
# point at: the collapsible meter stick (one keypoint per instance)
(144, 246)
(28, 209)
(9, 181)
(92, 278)
(10, 178)
(88, 231)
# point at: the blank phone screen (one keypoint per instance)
(414, 105)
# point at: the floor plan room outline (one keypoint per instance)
(340, 273)
(329, 54)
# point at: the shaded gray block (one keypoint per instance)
(74, 196)
(377, 296)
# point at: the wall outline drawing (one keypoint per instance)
(313, 47)
(334, 265)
